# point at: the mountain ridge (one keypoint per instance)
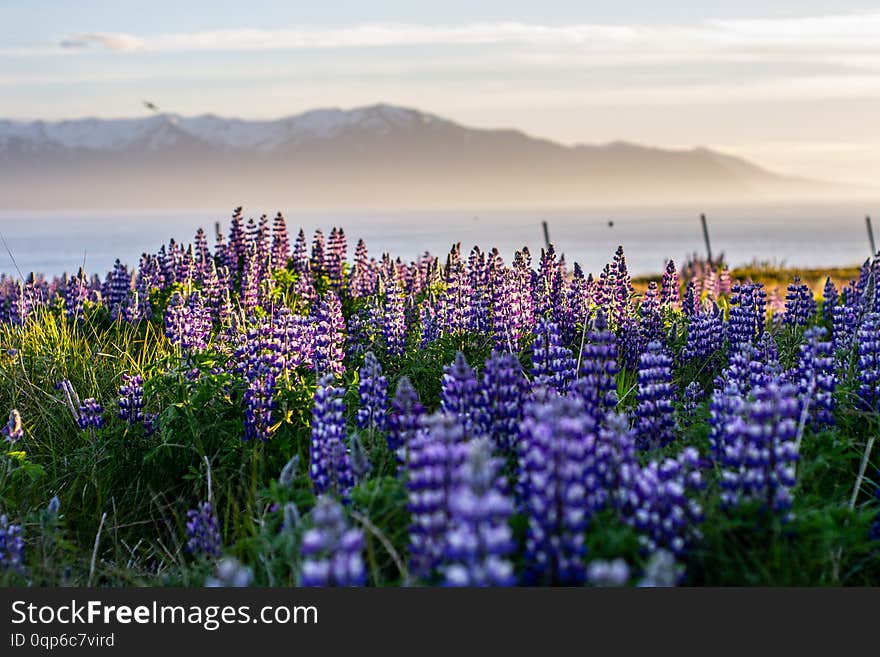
(377, 154)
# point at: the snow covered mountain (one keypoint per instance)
(377, 155)
(165, 130)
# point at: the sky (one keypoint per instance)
(793, 85)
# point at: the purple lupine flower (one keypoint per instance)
(652, 320)
(576, 304)
(460, 395)
(203, 531)
(557, 441)
(259, 404)
(522, 308)
(630, 343)
(621, 287)
(330, 468)
(304, 287)
(655, 421)
(503, 314)
(765, 366)
(394, 322)
(90, 414)
(504, 390)
(691, 303)
(868, 365)
(11, 546)
(215, 295)
(280, 242)
(725, 403)
(669, 286)
(335, 256)
(705, 335)
(293, 336)
(188, 323)
(373, 392)
(522, 264)
(260, 244)
(136, 308)
(363, 279)
(405, 419)
(76, 295)
(236, 247)
(829, 299)
(552, 364)
(220, 248)
(548, 290)
(300, 252)
(318, 259)
(844, 324)
(655, 500)
(202, 256)
(759, 449)
(595, 385)
(13, 431)
(747, 314)
(479, 540)
(131, 398)
(166, 264)
(815, 377)
(799, 304)
(434, 459)
(23, 304)
(455, 302)
(364, 328)
(477, 318)
(186, 271)
(428, 324)
(744, 369)
(120, 289)
(332, 550)
(249, 293)
(329, 335)
(864, 279)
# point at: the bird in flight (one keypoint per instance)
(150, 106)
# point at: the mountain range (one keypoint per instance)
(375, 156)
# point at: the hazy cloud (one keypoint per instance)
(110, 41)
(840, 34)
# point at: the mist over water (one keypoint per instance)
(809, 236)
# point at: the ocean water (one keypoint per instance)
(821, 235)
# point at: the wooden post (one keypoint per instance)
(706, 237)
(870, 235)
(546, 234)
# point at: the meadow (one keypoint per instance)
(272, 410)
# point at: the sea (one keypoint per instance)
(816, 235)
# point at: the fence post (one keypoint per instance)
(706, 237)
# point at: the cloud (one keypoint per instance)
(851, 33)
(110, 41)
